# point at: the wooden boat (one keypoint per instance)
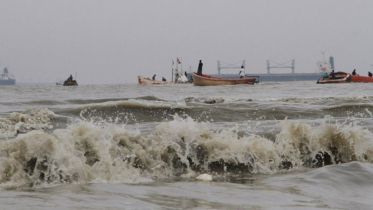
(146, 81)
(343, 77)
(206, 80)
(363, 79)
(340, 77)
(70, 83)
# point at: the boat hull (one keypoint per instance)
(70, 83)
(363, 79)
(340, 77)
(206, 80)
(145, 81)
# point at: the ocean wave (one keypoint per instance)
(128, 111)
(103, 153)
(212, 109)
(213, 100)
(337, 186)
(93, 101)
(138, 103)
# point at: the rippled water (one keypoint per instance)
(292, 145)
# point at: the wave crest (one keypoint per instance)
(96, 153)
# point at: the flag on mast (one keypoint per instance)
(178, 61)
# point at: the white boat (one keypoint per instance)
(147, 81)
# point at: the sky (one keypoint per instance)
(114, 41)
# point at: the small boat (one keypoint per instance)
(147, 81)
(206, 80)
(70, 83)
(340, 77)
(59, 82)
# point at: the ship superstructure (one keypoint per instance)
(325, 67)
(6, 78)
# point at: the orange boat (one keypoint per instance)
(358, 78)
(343, 77)
(146, 81)
(340, 77)
(206, 80)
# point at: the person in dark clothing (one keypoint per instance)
(154, 77)
(354, 72)
(185, 74)
(369, 74)
(199, 72)
(164, 79)
(332, 74)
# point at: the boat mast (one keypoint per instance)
(172, 72)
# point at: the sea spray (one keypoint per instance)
(88, 152)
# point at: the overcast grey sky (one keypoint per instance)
(114, 41)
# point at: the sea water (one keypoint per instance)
(285, 145)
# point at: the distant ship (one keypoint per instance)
(322, 67)
(6, 78)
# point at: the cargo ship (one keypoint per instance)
(6, 78)
(322, 67)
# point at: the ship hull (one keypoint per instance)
(8, 82)
(277, 77)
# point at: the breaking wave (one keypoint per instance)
(88, 152)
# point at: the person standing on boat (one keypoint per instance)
(369, 74)
(242, 72)
(199, 72)
(332, 74)
(154, 77)
(354, 72)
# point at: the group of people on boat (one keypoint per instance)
(369, 73)
(332, 74)
(188, 76)
(163, 79)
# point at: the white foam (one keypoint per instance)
(35, 119)
(204, 177)
(103, 153)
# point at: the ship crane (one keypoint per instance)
(229, 66)
(280, 66)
